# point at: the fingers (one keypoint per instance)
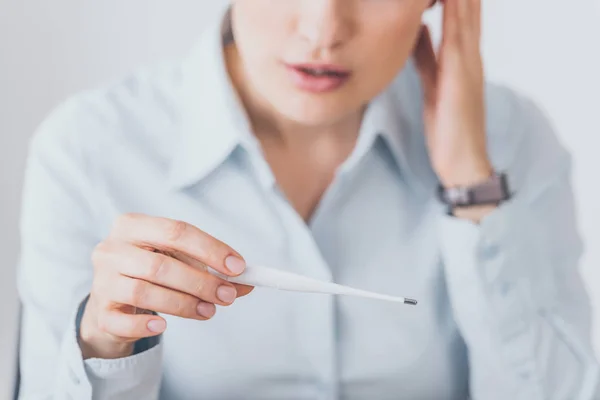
(471, 21)
(427, 65)
(476, 13)
(130, 326)
(451, 24)
(462, 10)
(142, 294)
(189, 283)
(166, 235)
(241, 289)
(462, 23)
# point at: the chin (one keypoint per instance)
(312, 116)
(313, 110)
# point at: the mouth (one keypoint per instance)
(319, 71)
(318, 78)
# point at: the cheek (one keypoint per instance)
(386, 51)
(253, 31)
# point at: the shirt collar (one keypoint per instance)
(396, 116)
(214, 123)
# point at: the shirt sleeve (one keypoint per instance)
(59, 230)
(514, 285)
(134, 377)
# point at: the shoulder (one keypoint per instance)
(517, 124)
(522, 138)
(132, 109)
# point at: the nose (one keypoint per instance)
(325, 24)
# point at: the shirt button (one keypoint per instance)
(74, 377)
(505, 288)
(491, 250)
(524, 375)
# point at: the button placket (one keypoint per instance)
(316, 311)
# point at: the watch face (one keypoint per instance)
(493, 191)
(457, 196)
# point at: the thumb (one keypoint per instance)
(427, 65)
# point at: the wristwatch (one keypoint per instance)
(494, 191)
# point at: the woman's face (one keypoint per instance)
(316, 62)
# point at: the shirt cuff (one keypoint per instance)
(134, 377)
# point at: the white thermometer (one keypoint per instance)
(260, 276)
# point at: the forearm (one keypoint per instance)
(519, 306)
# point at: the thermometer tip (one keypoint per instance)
(412, 302)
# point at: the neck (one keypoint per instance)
(269, 125)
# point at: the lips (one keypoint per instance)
(322, 70)
(318, 78)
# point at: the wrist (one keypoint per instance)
(474, 213)
(461, 176)
(97, 347)
(474, 201)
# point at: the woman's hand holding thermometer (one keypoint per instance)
(153, 264)
(160, 265)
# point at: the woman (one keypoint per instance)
(310, 136)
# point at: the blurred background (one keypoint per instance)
(548, 49)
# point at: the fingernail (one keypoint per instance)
(226, 294)
(206, 310)
(157, 326)
(235, 264)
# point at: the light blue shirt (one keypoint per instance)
(502, 311)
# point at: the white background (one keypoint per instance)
(549, 49)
